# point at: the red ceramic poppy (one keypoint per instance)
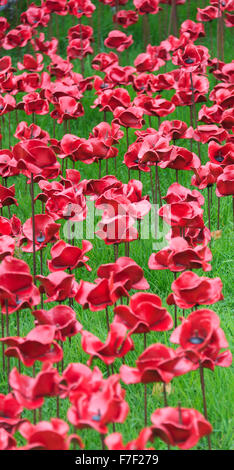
(10, 411)
(146, 6)
(175, 130)
(206, 175)
(211, 114)
(125, 18)
(35, 16)
(7, 441)
(178, 193)
(131, 158)
(143, 314)
(7, 196)
(16, 285)
(210, 132)
(32, 131)
(182, 427)
(180, 256)
(67, 204)
(58, 286)
(118, 40)
(117, 344)
(38, 345)
(80, 30)
(81, 8)
(17, 37)
(5, 62)
(104, 60)
(157, 363)
(46, 47)
(192, 58)
(157, 106)
(7, 104)
(7, 246)
(56, 6)
(208, 13)
(62, 317)
(189, 290)
(182, 214)
(221, 154)
(195, 30)
(33, 64)
(67, 108)
(30, 392)
(180, 158)
(224, 185)
(78, 378)
(46, 231)
(33, 156)
(65, 256)
(114, 441)
(79, 48)
(129, 117)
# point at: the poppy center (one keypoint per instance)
(41, 238)
(97, 417)
(1, 107)
(80, 10)
(219, 157)
(104, 85)
(189, 60)
(196, 339)
(17, 300)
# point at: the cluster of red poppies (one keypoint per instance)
(127, 96)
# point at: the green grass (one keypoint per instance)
(186, 389)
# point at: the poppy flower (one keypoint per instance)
(149, 61)
(125, 18)
(30, 392)
(32, 131)
(153, 148)
(118, 40)
(35, 16)
(104, 60)
(192, 58)
(10, 411)
(114, 441)
(17, 37)
(78, 148)
(46, 47)
(33, 103)
(7, 441)
(48, 435)
(182, 214)
(178, 193)
(221, 154)
(95, 410)
(33, 156)
(194, 236)
(5, 62)
(78, 31)
(125, 271)
(208, 13)
(59, 67)
(224, 185)
(190, 290)
(7, 246)
(81, 8)
(146, 6)
(62, 317)
(182, 427)
(56, 6)
(78, 378)
(65, 256)
(10, 227)
(38, 345)
(7, 196)
(175, 130)
(33, 64)
(67, 108)
(157, 363)
(67, 204)
(79, 48)
(109, 133)
(180, 158)
(7, 104)
(131, 158)
(157, 106)
(210, 132)
(58, 286)
(46, 231)
(143, 314)
(129, 117)
(117, 344)
(206, 175)
(180, 256)
(16, 285)
(211, 114)
(202, 338)
(195, 30)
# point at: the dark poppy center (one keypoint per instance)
(17, 300)
(1, 107)
(219, 157)
(80, 10)
(97, 417)
(104, 85)
(196, 339)
(189, 60)
(41, 238)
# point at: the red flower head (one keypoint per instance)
(67, 108)
(146, 6)
(210, 132)
(225, 185)
(33, 156)
(221, 154)
(180, 256)
(109, 100)
(118, 40)
(79, 378)
(117, 344)
(129, 117)
(211, 114)
(38, 345)
(182, 427)
(125, 18)
(62, 317)
(65, 256)
(58, 286)
(7, 196)
(31, 391)
(35, 16)
(33, 103)
(7, 246)
(175, 130)
(7, 104)
(33, 64)
(194, 236)
(195, 30)
(16, 285)
(157, 363)
(182, 214)
(56, 6)
(78, 31)
(7, 441)
(114, 441)
(154, 106)
(46, 231)
(5, 62)
(180, 158)
(206, 175)
(60, 68)
(95, 409)
(48, 435)
(104, 60)
(202, 338)
(153, 148)
(46, 47)
(67, 204)
(32, 131)
(192, 58)
(144, 313)
(190, 290)
(79, 48)
(4, 25)
(178, 193)
(81, 8)
(10, 411)
(17, 37)
(207, 14)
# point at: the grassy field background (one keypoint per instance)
(186, 389)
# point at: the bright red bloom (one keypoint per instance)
(146, 6)
(194, 236)
(117, 344)
(48, 435)
(31, 391)
(178, 193)
(96, 409)
(33, 103)
(78, 378)
(5, 62)
(118, 40)
(79, 48)
(32, 131)
(144, 313)
(114, 441)
(7, 196)
(180, 158)
(16, 286)
(182, 427)
(180, 256)
(80, 30)
(190, 290)
(4, 25)
(202, 338)
(46, 231)
(157, 106)
(7, 246)
(210, 132)
(157, 363)
(81, 8)
(225, 185)
(10, 411)
(38, 345)
(125, 18)
(7, 104)
(206, 175)
(56, 6)
(46, 47)
(175, 130)
(33, 64)
(67, 108)
(192, 58)
(58, 286)
(221, 154)
(129, 117)
(17, 37)
(33, 156)
(207, 14)
(104, 60)
(195, 30)
(7, 441)
(35, 16)
(67, 204)
(62, 317)
(210, 115)
(182, 214)
(65, 256)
